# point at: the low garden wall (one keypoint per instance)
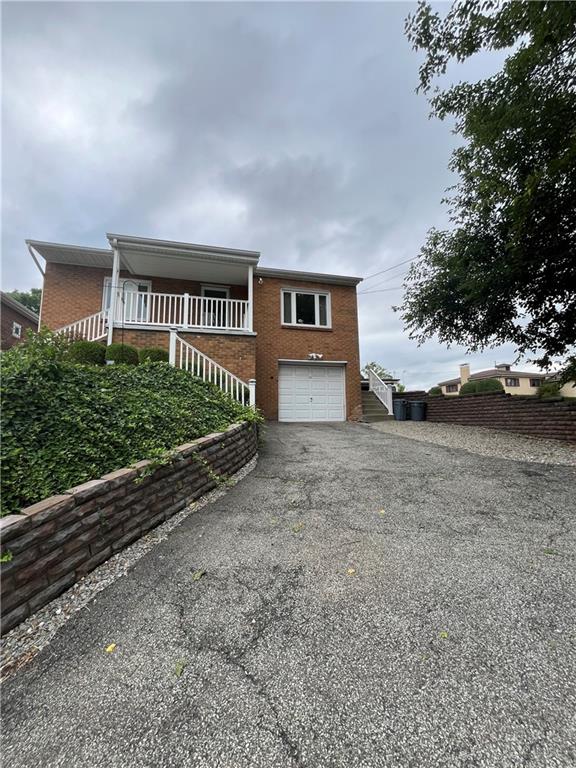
(52, 544)
(552, 419)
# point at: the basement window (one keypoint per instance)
(306, 309)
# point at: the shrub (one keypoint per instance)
(481, 385)
(122, 353)
(490, 385)
(153, 355)
(64, 424)
(435, 391)
(549, 389)
(88, 352)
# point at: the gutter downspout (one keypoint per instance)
(31, 251)
(113, 291)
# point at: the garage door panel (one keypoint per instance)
(311, 393)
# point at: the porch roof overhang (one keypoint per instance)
(156, 258)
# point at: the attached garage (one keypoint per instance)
(311, 391)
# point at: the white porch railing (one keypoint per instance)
(184, 355)
(182, 311)
(91, 328)
(383, 391)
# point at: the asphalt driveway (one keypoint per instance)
(367, 600)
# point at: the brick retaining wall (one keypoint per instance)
(58, 540)
(552, 419)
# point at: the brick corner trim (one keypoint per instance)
(57, 541)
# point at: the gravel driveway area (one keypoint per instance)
(484, 441)
(359, 600)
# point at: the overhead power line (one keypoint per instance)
(389, 269)
(381, 290)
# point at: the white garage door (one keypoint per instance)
(311, 393)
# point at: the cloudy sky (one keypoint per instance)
(292, 129)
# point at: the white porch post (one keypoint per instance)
(186, 310)
(172, 347)
(113, 293)
(250, 298)
(252, 393)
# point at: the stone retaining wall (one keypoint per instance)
(551, 419)
(58, 540)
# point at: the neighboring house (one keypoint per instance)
(514, 382)
(286, 339)
(16, 320)
(566, 390)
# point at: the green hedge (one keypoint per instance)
(64, 424)
(435, 391)
(122, 353)
(88, 352)
(153, 355)
(481, 385)
(549, 389)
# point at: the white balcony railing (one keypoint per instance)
(181, 311)
(382, 390)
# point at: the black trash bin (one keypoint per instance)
(418, 410)
(400, 407)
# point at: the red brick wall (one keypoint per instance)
(71, 292)
(555, 419)
(282, 342)
(236, 353)
(9, 316)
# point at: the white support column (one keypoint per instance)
(186, 311)
(250, 298)
(113, 293)
(252, 393)
(172, 347)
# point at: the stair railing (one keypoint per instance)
(383, 391)
(184, 355)
(91, 328)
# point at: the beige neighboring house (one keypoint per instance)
(514, 382)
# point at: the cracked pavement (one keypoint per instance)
(368, 600)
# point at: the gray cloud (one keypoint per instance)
(293, 129)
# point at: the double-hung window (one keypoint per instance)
(306, 308)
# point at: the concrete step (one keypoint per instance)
(371, 417)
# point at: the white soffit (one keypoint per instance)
(73, 254)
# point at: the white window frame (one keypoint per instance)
(206, 287)
(17, 330)
(316, 294)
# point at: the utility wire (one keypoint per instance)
(388, 269)
(381, 290)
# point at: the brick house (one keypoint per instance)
(16, 320)
(286, 340)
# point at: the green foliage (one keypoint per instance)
(30, 299)
(505, 271)
(122, 353)
(88, 352)
(435, 391)
(490, 385)
(153, 355)
(64, 424)
(481, 385)
(549, 389)
(378, 369)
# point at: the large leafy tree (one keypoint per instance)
(506, 269)
(30, 299)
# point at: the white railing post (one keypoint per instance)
(113, 293)
(172, 347)
(186, 311)
(250, 298)
(252, 393)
